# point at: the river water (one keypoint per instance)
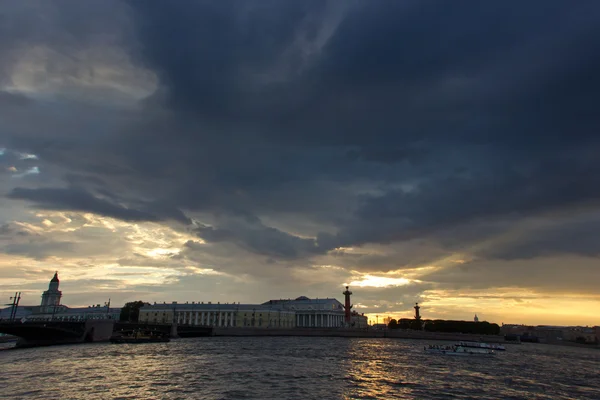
(295, 368)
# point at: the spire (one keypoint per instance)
(55, 278)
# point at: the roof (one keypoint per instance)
(212, 306)
(302, 300)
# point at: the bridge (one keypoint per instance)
(46, 333)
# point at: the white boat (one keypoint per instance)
(482, 345)
(460, 350)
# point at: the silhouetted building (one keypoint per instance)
(51, 297)
(300, 312)
(51, 309)
(218, 315)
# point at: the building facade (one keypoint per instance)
(50, 308)
(76, 314)
(51, 297)
(217, 315)
(301, 312)
(359, 320)
(313, 313)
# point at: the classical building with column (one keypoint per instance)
(313, 313)
(301, 312)
(218, 315)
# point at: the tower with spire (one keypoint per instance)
(347, 306)
(51, 297)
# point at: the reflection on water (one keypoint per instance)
(294, 368)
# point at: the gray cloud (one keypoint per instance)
(575, 236)
(73, 199)
(287, 130)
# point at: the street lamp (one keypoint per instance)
(107, 304)
(15, 306)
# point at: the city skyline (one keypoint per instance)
(372, 317)
(232, 151)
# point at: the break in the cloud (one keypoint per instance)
(420, 151)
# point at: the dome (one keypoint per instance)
(302, 298)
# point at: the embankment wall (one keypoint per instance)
(337, 332)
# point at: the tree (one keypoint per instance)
(416, 324)
(484, 327)
(393, 324)
(131, 311)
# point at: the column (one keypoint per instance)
(196, 319)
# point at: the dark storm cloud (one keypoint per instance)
(400, 215)
(79, 200)
(578, 236)
(40, 250)
(376, 122)
(13, 100)
(261, 239)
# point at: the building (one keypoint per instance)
(77, 314)
(21, 314)
(218, 315)
(283, 313)
(314, 313)
(50, 308)
(359, 320)
(551, 334)
(51, 297)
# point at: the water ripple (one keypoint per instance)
(294, 368)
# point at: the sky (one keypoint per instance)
(424, 151)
